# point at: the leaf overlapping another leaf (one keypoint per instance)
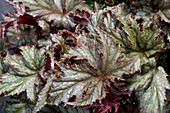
(158, 8)
(42, 97)
(3, 68)
(17, 104)
(150, 88)
(84, 68)
(15, 26)
(54, 51)
(54, 10)
(142, 43)
(134, 40)
(153, 13)
(23, 75)
(24, 34)
(95, 62)
(106, 104)
(17, 17)
(71, 109)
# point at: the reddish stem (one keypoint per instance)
(41, 79)
(155, 20)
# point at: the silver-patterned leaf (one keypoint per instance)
(134, 40)
(23, 75)
(87, 80)
(42, 97)
(150, 88)
(54, 10)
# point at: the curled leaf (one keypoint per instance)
(55, 11)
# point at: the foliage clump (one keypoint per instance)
(63, 56)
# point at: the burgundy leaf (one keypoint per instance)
(43, 82)
(15, 18)
(57, 52)
(27, 19)
(48, 62)
(80, 17)
(70, 38)
(106, 104)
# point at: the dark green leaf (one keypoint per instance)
(71, 109)
(17, 104)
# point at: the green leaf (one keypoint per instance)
(165, 15)
(44, 25)
(169, 36)
(96, 19)
(71, 109)
(19, 108)
(23, 75)
(20, 35)
(150, 88)
(149, 14)
(2, 39)
(99, 62)
(167, 104)
(63, 109)
(15, 31)
(49, 109)
(42, 97)
(3, 68)
(164, 10)
(59, 40)
(14, 85)
(54, 10)
(18, 104)
(134, 40)
(105, 19)
(56, 47)
(148, 41)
